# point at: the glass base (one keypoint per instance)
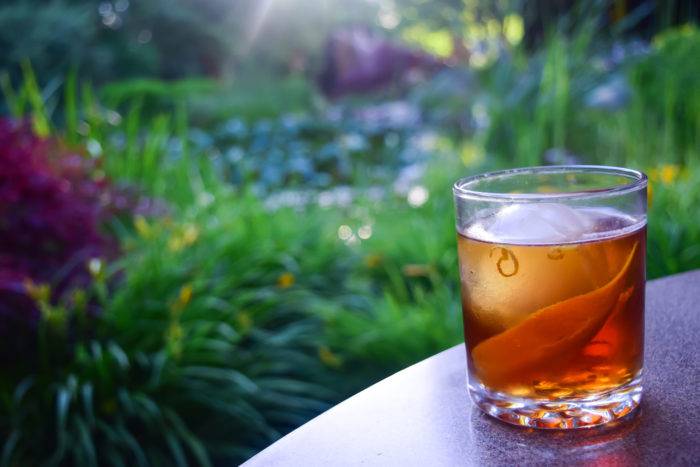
(560, 414)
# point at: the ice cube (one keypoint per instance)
(533, 223)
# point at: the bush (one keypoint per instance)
(227, 293)
(669, 93)
(111, 40)
(54, 212)
(209, 102)
(674, 234)
(212, 322)
(54, 36)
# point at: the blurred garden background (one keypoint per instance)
(218, 218)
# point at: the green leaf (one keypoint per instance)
(125, 402)
(91, 112)
(118, 355)
(86, 442)
(181, 128)
(63, 397)
(294, 386)
(176, 449)
(237, 409)
(133, 445)
(196, 446)
(40, 120)
(220, 374)
(9, 447)
(157, 366)
(86, 391)
(114, 457)
(21, 390)
(71, 107)
(12, 100)
(130, 156)
(147, 405)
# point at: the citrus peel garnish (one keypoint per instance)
(551, 332)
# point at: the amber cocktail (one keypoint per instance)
(552, 267)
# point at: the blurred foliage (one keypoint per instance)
(155, 95)
(446, 26)
(168, 39)
(210, 101)
(671, 99)
(196, 335)
(112, 39)
(52, 34)
(56, 211)
(674, 236)
(227, 293)
(309, 152)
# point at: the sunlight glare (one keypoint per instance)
(256, 24)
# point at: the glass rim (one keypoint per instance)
(637, 181)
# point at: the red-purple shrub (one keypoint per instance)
(52, 211)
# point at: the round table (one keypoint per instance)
(423, 416)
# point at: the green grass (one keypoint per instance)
(674, 234)
(211, 101)
(207, 290)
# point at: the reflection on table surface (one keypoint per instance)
(611, 444)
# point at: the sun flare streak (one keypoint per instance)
(256, 24)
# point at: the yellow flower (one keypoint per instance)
(373, 260)
(79, 299)
(40, 293)
(669, 173)
(175, 332)
(471, 154)
(142, 227)
(619, 11)
(329, 358)
(173, 338)
(185, 294)
(175, 244)
(666, 173)
(189, 235)
(183, 298)
(285, 280)
(416, 270)
(244, 322)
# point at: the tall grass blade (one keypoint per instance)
(14, 103)
(40, 120)
(70, 98)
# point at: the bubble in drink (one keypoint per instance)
(553, 299)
